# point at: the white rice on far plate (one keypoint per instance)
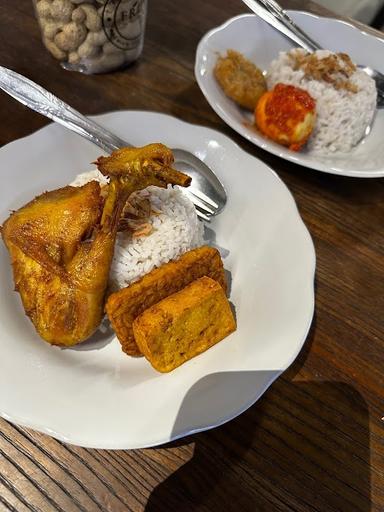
(342, 116)
(175, 230)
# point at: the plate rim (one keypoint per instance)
(264, 143)
(62, 436)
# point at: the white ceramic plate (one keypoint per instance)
(97, 396)
(259, 42)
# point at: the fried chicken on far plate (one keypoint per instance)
(61, 243)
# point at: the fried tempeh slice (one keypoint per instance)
(184, 324)
(125, 305)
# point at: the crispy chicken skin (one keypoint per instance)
(61, 244)
(149, 165)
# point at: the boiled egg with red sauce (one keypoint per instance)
(287, 115)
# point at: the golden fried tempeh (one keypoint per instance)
(184, 324)
(125, 305)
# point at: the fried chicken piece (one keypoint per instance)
(184, 325)
(125, 305)
(286, 115)
(61, 244)
(240, 79)
(143, 166)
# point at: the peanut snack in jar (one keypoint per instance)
(92, 36)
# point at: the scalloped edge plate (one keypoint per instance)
(95, 395)
(261, 43)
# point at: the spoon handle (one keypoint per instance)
(42, 101)
(271, 12)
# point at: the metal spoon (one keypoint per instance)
(271, 12)
(206, 192)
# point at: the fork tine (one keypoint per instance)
(202, 215)
(201, 212)
(203, 197)
(198, 202)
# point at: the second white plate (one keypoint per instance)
(261, 43)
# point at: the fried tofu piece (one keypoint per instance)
(125, 305)
(240, 79)
(184, 324)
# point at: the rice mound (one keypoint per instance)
(175, 230)
(342, 115)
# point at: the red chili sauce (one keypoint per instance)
(287, 106)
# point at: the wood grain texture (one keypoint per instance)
(314, 442)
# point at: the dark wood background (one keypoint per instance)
(314, 442)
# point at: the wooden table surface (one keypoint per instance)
(314, 441)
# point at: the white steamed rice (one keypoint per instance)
(175, 230)
(342, 116)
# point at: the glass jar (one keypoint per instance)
(92, 36)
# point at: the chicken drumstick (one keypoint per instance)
(61, 244)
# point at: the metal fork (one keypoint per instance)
(271, 12)
(206, 192)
